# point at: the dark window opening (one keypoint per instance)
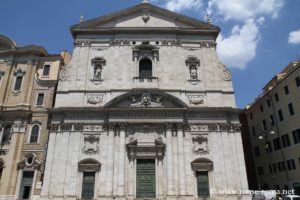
(34, 134)
(285, 140)
(46, 70)
(26, 184)
(268, 147)
(40, 100)
(1, 168)
(276, 97)
(261, 108)
(145, 68)
(272, 120)
(297, 80)
(260, 171)
(291, 109)
(256, 152)
(286, 90)
(269, 103)
(251, 116)
(296, 136)
(280, 115)
(18, 83)
(253, 131)
(6, 135)
(277, 144)
(265, 124)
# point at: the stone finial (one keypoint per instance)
(145, 1)
(81, 18)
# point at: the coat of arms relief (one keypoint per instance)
(200, 145)
(91, 145)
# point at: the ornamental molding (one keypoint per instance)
(95, 99)
(29, 162)
(64, 75)
(196, 99)
(200, 145)
(91, 145)
(19, 73)
(145, 50)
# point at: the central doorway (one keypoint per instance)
(145, 178)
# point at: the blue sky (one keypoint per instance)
(258, 39)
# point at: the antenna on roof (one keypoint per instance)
(145, 1)
(81, 18)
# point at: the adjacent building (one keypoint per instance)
(144, 109)
(272, 129)
(28, 79)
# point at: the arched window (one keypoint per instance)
(34, 136)
(145, 68)
(6, 135)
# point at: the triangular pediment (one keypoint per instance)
(144, 16)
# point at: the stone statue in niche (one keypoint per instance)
(98, 63)
(193, 72)
(200, 145)
(192, 62)
(91, 145)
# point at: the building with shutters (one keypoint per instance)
(273, 132)
(28, 78)
(145, 109)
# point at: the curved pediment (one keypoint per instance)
(146, 100)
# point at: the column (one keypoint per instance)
(115, 168)
(110, 160)
(122, 156)
(169, 152)
(181, 163)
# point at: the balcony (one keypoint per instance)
(145, 82)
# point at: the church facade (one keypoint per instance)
(144, 110)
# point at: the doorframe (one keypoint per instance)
(135, 174)
(19, 181)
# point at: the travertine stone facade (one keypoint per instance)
(21, 111)
(144, 88)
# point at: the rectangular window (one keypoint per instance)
(1, 168)
(276, 97)
(283, 165)
(286, 90)
(46, 70)
(280, 115)
(40, 99)
(291, 109)
(253, 131)
(272, 120)
(285, 140)
(270, 169)
(276, 143)
(269, 103)
(202, 184)
(260, 171)
(297, 80)
(261, 108)
(268, 147)
(274, 167)
(291, 164)
(296, 136)
(265, 124)
(18, 83)
(251, 116)
(88, 185)
(256, 151)
(279, 166)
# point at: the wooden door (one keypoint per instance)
(145, 178)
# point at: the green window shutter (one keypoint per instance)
(88, 185)
(145, 178)
(202, 184)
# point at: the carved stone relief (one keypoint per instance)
(196, 99)
(19, 73)
(200, 145)
(64, 75)
(91, 145)
(30, 162)
(145, 15)
(146, 100)
(94, 99)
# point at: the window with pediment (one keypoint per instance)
(145, 68)
(19, 74)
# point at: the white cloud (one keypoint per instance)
(294, 37)
(179, 5)
(242, 10)
(240, 47)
